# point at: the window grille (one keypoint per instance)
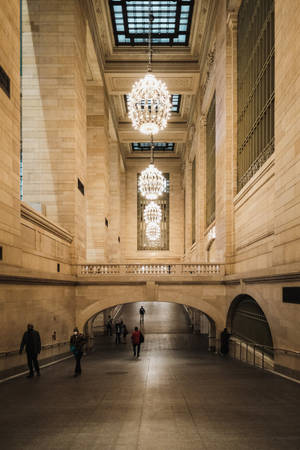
(163, 201)
(255, 61)
(194, 201)
(211, 163)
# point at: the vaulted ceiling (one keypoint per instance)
(183, 46)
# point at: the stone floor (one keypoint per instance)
(177, 396)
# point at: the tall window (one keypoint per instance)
(163, 201)
(194, 201)
(211, 163)
(255, 61)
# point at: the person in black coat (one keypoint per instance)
(77, 342)
(32, 341)
(225, 342)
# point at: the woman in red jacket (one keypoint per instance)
(136, 339)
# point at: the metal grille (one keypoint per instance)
(211, 163)
(255, 61)
(142, 242)
(194, 201)
(171, 26)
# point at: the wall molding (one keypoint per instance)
(30, 215)
(254, 240)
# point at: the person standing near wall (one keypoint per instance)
(224, 342)
(77, 342)
(32, 341)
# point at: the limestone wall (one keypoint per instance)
(10, 133)
(54, 112)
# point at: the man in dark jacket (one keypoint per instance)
(32, 341)
(225, 336)
(77, 342)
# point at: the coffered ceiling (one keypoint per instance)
(182, 67)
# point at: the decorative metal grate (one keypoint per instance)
(142, 242)
(255, 61)
(171, 26)
(211, 163)
(175, 100)
(158, 146)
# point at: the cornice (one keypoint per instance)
(43, 222)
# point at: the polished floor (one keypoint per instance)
(177, 396)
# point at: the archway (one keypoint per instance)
(247, 321)
(161, 318)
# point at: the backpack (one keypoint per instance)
(142, 338)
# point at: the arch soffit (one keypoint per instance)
(204, 305)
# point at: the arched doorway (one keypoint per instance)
(247, 321)
(161, 318)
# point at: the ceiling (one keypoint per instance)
(119, 30)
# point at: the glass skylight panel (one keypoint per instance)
(175, 100)
(172, 21)
(158, 146)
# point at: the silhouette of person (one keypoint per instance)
(32, 341)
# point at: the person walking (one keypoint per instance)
(109, 326)
(77, 342)
(142, 314)
(124, 332)
(118, 332)
(32, 341)
(136, 338)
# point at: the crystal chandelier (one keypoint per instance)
(153, 231)
(151, 181)
(152, 213)
(149, 102)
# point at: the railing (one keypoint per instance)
(150, 269)
(260, 356)
(44, 347)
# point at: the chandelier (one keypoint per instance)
(153, 231)
(149, 102)
(152, 213)
(151, 182)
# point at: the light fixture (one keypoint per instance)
(151, 182)
(152, 213)
(149, 103)
(153, 231)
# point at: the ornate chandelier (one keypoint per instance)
(151, 181)
(152, 213)
(149, 102)
(153, 231)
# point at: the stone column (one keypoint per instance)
(188, 209)
(112, 243)
(54, 113)
(201, 187)
(97, 174)
(225, 136)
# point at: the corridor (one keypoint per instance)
(177, 396)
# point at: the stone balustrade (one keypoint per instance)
(151, 269)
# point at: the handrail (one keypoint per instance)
(44, 347)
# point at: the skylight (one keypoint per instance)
(158, 146)
(175, 99)
(171, 26)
